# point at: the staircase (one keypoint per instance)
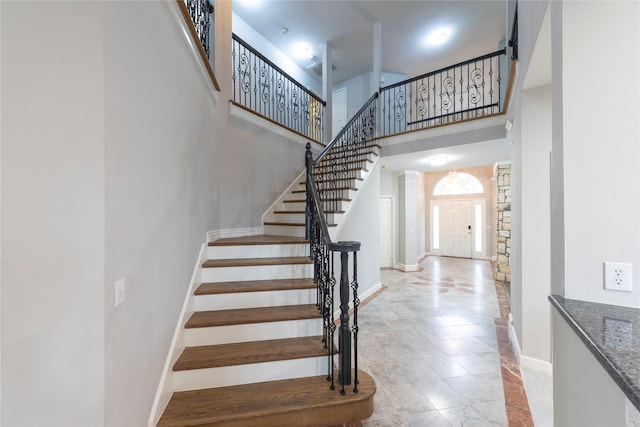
(254, 355)
(287, 217)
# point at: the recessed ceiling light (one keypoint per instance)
(304, 51)
(438, 36)
(438, 160)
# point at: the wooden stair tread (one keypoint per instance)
(249, 262)
(244, 353)
(292, 224)
(254, 286)
(327, 189)
(301, 212)
(262, 239)
(244, 316)
(300, 402)
(335, 199)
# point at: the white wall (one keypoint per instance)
(530, 17)
(584, 394)
(116, 161)
(600, 144)
(535, 220)
(53, 214)
(275, 55)
(363, 225)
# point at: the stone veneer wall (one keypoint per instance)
(503, 228)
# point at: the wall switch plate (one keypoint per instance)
(617, 276)
(121, 294)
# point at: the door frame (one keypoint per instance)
(482, 201)
(392, 228)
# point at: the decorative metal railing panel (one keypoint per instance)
(200, 11)
(261, 86)
(463, 91)
(328, 180)
(339, 164)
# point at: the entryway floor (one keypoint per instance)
(436, 342)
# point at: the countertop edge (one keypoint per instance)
(607, 364)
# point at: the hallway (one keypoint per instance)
(429, 340)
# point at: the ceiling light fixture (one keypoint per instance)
(304, 51)
(438, 161)
(438, 36)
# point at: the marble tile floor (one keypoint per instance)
(434, 340)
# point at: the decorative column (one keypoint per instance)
(408, 221)
(503, 228)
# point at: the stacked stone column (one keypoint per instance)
(503, 191)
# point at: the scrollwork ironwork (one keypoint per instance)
(454, 93)
(199, 11)
(261, 86)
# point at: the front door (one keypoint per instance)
(456, 220)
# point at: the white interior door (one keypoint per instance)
(455, 231)
(386, 232)
(339, 110)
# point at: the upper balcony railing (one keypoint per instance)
(463, 91)
(262, 87)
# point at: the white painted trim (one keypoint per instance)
(165, 385)
(514, 339)
(407, 268)
(375, 288)
(393, 225)
(423, 256)
(536, 364)
(214, 235)
(499, 119)
(177, 15)
(267, 213)
(261, 122)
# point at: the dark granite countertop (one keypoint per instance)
(612, 335)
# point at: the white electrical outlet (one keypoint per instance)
(617, 276)
(121, 293)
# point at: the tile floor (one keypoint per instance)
(429, 340)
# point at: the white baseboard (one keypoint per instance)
(536, 364)
(375, 288)
(514, 339)
(423, 256)
(408, 268)
(214, 235)
(165, 385)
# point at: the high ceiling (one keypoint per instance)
(474, 28)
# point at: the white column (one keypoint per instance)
(377, 57)
(408, 221)
(327, 90)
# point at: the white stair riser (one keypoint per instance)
(252, 332)
(263, 272)
(298, 217)
(294, 206)
(254, 299)
(257, 251)
(246, 374)
(289, 217)
(284, 230)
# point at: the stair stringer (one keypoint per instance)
(165, 386)
(339, 218)
(334, 232)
